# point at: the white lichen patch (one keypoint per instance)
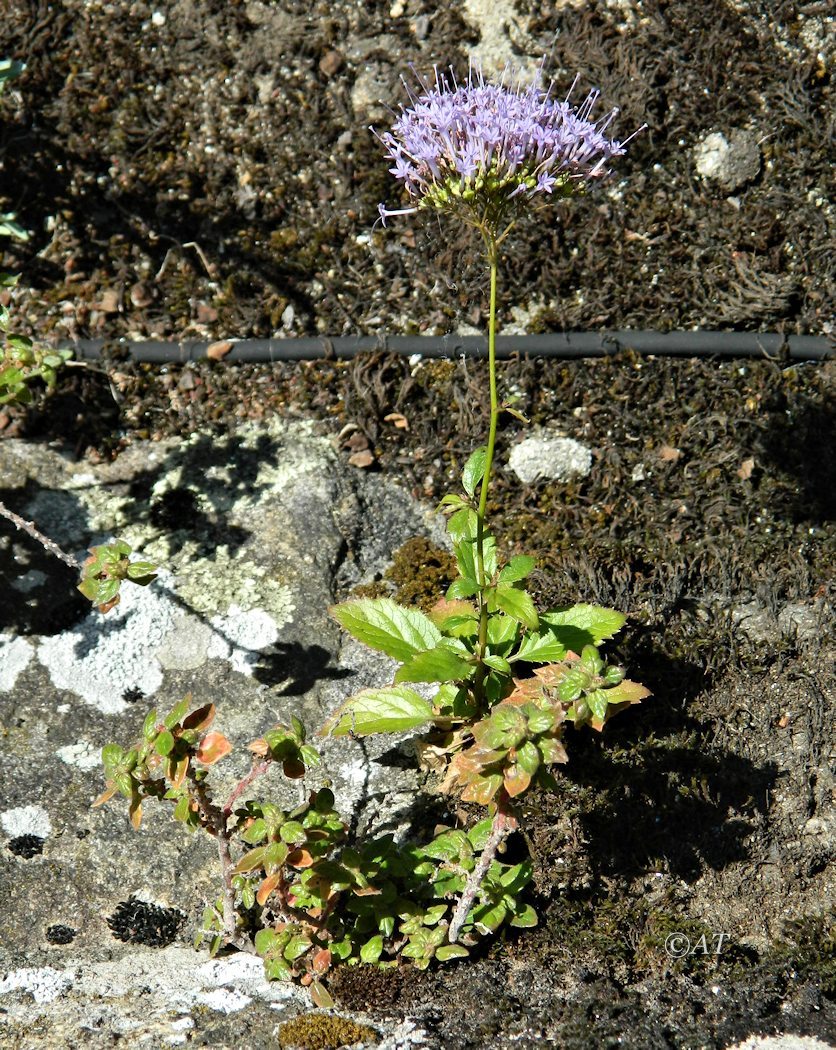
(240, 636)
(101, 660)
(216, 584)
(44, 984)
(15, 656)
(224, 1000)
(83, 755)
(26, 820)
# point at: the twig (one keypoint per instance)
(503, 823)
(49, 545)
(258, 769)
(215, 823)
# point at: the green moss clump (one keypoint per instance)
(420, 571)
(323, 1032)
(810, 950)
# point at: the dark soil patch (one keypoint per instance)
(707, 517)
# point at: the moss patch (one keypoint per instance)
(317, 1031)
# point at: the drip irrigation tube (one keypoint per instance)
(561, 344)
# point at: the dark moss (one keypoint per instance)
(139, 922)
(318, 1031)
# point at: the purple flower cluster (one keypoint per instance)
(483, 150)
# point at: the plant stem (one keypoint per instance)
(491, 251)
(49, 545)
(258, 769)
(503, 823)
(215, 824)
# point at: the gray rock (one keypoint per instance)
(731, 161)
(547, 456)
(257, 533)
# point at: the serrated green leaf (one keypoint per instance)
(540, 647)
(296, 946)
(386, 626)
(598, 703)
(528, 758)
(480, 833)
(149, 726)
(502, 630)
(598, 622)
(392, 709)
(517, 604)
(440, 664)
(277, 970)
(462, 524)
(461, 588)
(518, 568)
(474, 470)
(488, 918)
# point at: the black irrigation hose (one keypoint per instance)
(559, 344)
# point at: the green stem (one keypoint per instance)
(491, 249)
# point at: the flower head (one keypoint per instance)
(488, 151)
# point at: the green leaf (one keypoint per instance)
(461, 588)
(489, 918)
(256, 832)
(386, 626)
(177, 712)
(296, 946)
(164, 743)
(450, 845)
(392, 709)
(598, 703)
(528, 758)
(526, 918)
(138, 570)
(451, 951)
(372, 949)
(480, 833)
(627, 692)
(293, 832)
(518, 568)
(498, 663)
(462, 523)
(502, 630)
(594, 620)
(474, 470)
(111, 757)
(440, 664)
(540, 647)
(517, 603)
(149, 726)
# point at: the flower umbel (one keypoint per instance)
(489, 151)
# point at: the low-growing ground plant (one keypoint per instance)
(497, 678)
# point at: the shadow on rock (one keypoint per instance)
(40, 591)
(296, 668)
